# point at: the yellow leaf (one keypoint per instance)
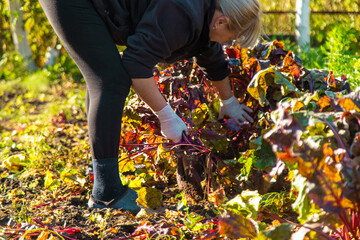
(236, 226)
(171, 214)
(262, 236)
(328, 151)
(131, 182)
(346, 203)
(279, 44)
(287, 156)
(150, 197)
(163, 153)
(348, 105)
(52, 237)
(200, 115)
(69, 176)
(324, 102)
(50, 182)
(275, 223)
(306, 169)
(332, 172)
(126, 164)
(43, 236)
(155, 139)
(259, 84)
(217, 197)
(298, 105)
(112, 230)
(15, 163)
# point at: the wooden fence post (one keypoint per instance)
(302, 23)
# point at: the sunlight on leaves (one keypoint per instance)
(324, 102)
(150, 197)
(303, 204)
(260, 83)
(235, 226)
(348, 105)
(69, 176)
(217, 197)
(280, 232)
(15, 163)
(248, 203)
(50, 181)
(126, 164)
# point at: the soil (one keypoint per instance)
(25, 204)
(72, 212)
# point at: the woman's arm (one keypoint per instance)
(148, 91)
(224, 88)
(171, 124)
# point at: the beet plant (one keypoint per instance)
(306, 122)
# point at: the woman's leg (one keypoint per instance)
(88, 42)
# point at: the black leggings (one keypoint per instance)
(89, 43)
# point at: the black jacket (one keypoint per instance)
(163, 31)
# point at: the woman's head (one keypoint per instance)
(243, 18)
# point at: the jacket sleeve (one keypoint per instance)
(164, 28)
(213, 63)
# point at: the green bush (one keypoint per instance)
(341, 54)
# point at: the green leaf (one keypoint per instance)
(286, 85)
(264, 157)
(15, 163)
(247, 162)
(193, 220)
(72, 175)
(248, 203)
(199, 115)
(302, 204)
(280, 232)
(259, 84)
(49, 181)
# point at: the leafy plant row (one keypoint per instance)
(305, 139)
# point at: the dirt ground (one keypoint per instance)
(71, 212)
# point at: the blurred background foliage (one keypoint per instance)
(322, 20)
(333, 36)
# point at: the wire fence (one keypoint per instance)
(282, 22)
(316, 12)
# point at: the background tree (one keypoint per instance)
(5, 32)
(302, 23)
(278, 24)
(19, 35)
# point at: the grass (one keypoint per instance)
(339, 53)
(30, 110)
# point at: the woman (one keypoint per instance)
(153, 31)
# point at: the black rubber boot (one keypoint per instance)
(108, 191)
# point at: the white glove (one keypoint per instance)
(236, 111)
(172, 126)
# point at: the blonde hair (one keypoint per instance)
(244, 18)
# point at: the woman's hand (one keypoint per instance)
(172, 126)
(229, 105)
(236, 111)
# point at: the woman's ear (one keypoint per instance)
(222, 20)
